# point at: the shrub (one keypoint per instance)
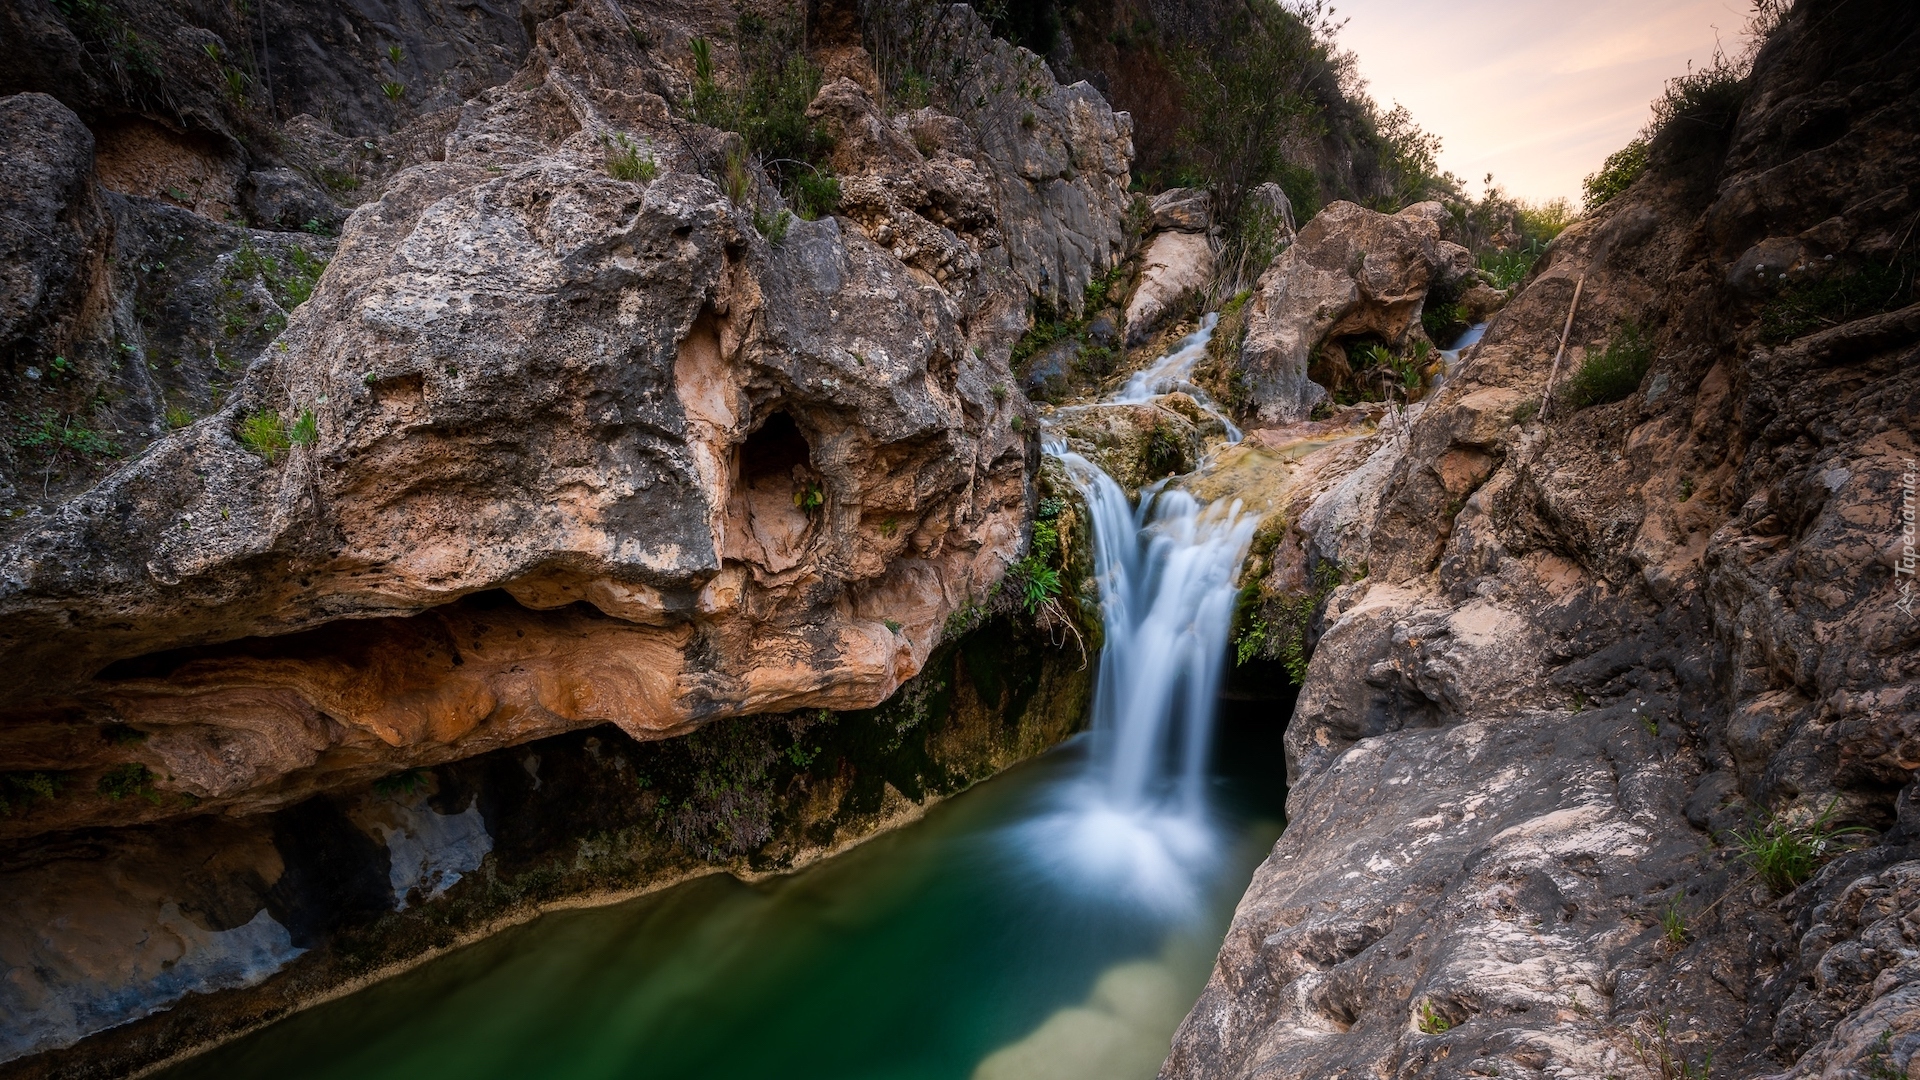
(394, 90)
(1246, 97)
(52, 434)
(768, 109)
(264, 433)
(773, 226)
(1695, 113)
(1784, 853)
(1431, 1021)
(1616, 174)
(815, 194)
(1806, 307)
(1614, 372)
(809, 497)
(128, 779)
(20, 790)
(626, 161)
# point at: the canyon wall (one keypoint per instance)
(1568, 650)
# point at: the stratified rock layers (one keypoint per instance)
(718, 475)
(546, 449)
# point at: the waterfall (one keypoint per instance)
(1174, 371)
(1165, 572)
(1138, 827)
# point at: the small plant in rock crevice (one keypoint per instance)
(809, 497)
(407, 782)
(1431, 1021)
(1281, 627)
(1813, 304)
(626, 160)
(21, 790)
(130, 779)
(1783, 852)
(1660, 1052)
(1613, 373)
(1673, 923)
(265, 433)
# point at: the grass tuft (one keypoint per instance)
(1784, 853)
(627, 161)
(1613, 373)
(265, 433)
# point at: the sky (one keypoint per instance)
(1538, 92)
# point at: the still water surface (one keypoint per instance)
(956, 947)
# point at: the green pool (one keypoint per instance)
(962, 946)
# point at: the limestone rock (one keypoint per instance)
(1175, 265)
(1182, 210)
(557, 449)
(1352, 271)
(1270, 201)
(284, 199)
(49, 215)
(1584, 649)
(1137, 444)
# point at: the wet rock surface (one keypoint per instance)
(1558, 663)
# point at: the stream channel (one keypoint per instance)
(1056, 921)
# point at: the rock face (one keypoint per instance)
(1178, 262)
(1352, 272)
(711, 472)
(1175, 266)
(541, 449)
(1586, 651)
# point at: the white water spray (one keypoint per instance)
(1139, 827)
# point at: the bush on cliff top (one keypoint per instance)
(767, 107)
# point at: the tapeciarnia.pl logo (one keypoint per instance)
(1904, 566)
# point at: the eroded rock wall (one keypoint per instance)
(530, 448)
(1574, 655)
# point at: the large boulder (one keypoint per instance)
(1181, 210)
(1176, 265)
(1351, 271)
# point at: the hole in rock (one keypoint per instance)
(773, 450)
(776, 498)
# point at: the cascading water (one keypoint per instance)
(1138, 826)
(1173, 372)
